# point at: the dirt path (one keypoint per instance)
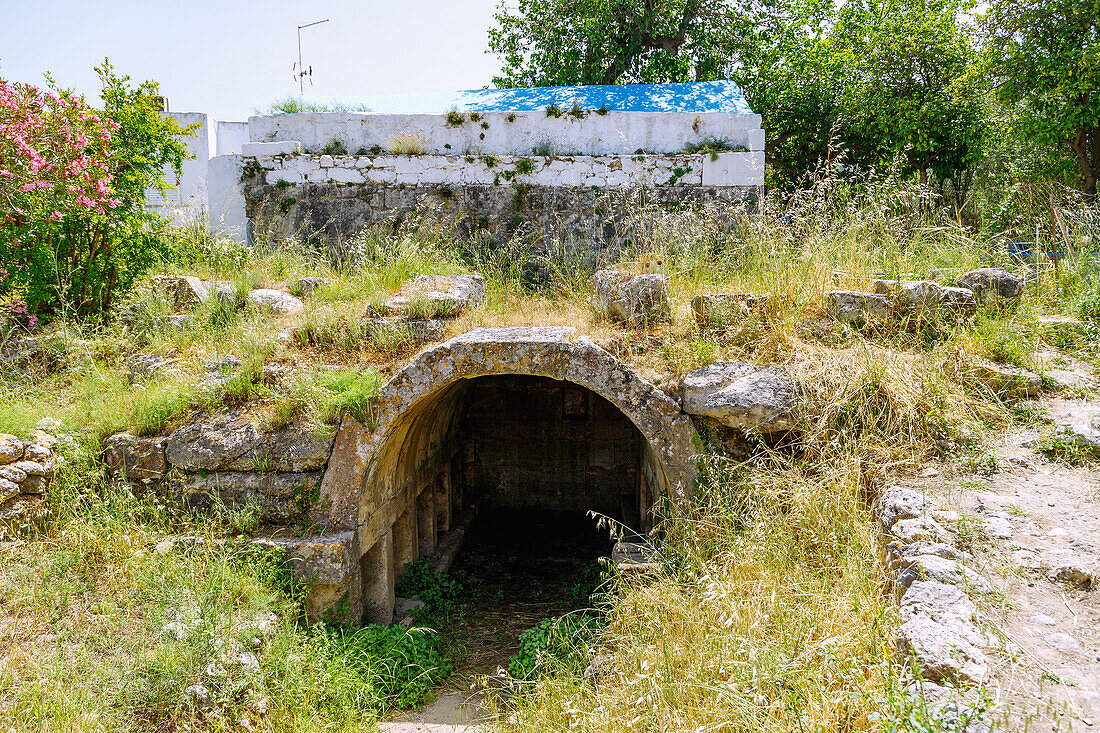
(517, 569)
(1034, 516)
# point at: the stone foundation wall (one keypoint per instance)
(228, 460)
(334, 213)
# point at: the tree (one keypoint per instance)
(566, 42)
(1044, 59)
(74, 257)
(914, 93)
(873, 79)
(771, 47)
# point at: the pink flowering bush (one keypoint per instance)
(74, 232)
(53, 155)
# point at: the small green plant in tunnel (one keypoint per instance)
(553, 643)
(436, 589)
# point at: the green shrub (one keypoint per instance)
(436, 589)
(402, 664)
(552, 643)
(334, 147)
(76, 261)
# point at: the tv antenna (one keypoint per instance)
(301, 72)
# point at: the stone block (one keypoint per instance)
(136, 459)
(283, 147)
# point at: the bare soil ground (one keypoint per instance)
(1036, 515)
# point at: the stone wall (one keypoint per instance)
(532, 442)
(586, 133)
(26, 467)
(227, 460)
(576, 199)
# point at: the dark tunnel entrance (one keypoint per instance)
(531, 470)
(501, 474)
(540, 444)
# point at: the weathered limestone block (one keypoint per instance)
(742, 396)
(35, 484)
(900, 554)
(13, 474)
(900, 502)
(445, 296)
(635, 301)
(11, 448)
(276, 301)
(944, 651)
(921, 528)
(943, 570)
(722, 309)
(306, 285)
(918, 297)
(858, 309)
(21, 514)
(8, 489)
(1073, 574)
(416, 331)
(989, 281)
(209, 446)
(1083, 431)
(347, 465)
(144, 366)
(31, 468)
(939, 601)
(224, 291)
(135, 459)
(1007, 381)
(281, 496)
(296, 448)
(322, 559)
(183, 292)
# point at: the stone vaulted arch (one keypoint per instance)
(388, 485)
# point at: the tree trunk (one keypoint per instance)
(1086, 146)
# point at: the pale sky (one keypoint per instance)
(232, 57)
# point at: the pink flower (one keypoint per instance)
(55, 216)
(113, 203)
(86, 202)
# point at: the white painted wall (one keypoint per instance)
(201, 194)
(185, 202)
(231, 137)
(225, 204)
(604, 171)
(596, 150)
(610, 134)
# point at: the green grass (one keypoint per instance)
(770, 610)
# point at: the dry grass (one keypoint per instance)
(771, 613)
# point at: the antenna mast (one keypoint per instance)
(302, 72)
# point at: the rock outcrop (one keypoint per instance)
(635, 301)
(229, 459)
(992, 283)
(743, 396)
(437, 296)
(719, 310)
(277, 301)
(939, 633)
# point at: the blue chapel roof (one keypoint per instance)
(692, 97)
